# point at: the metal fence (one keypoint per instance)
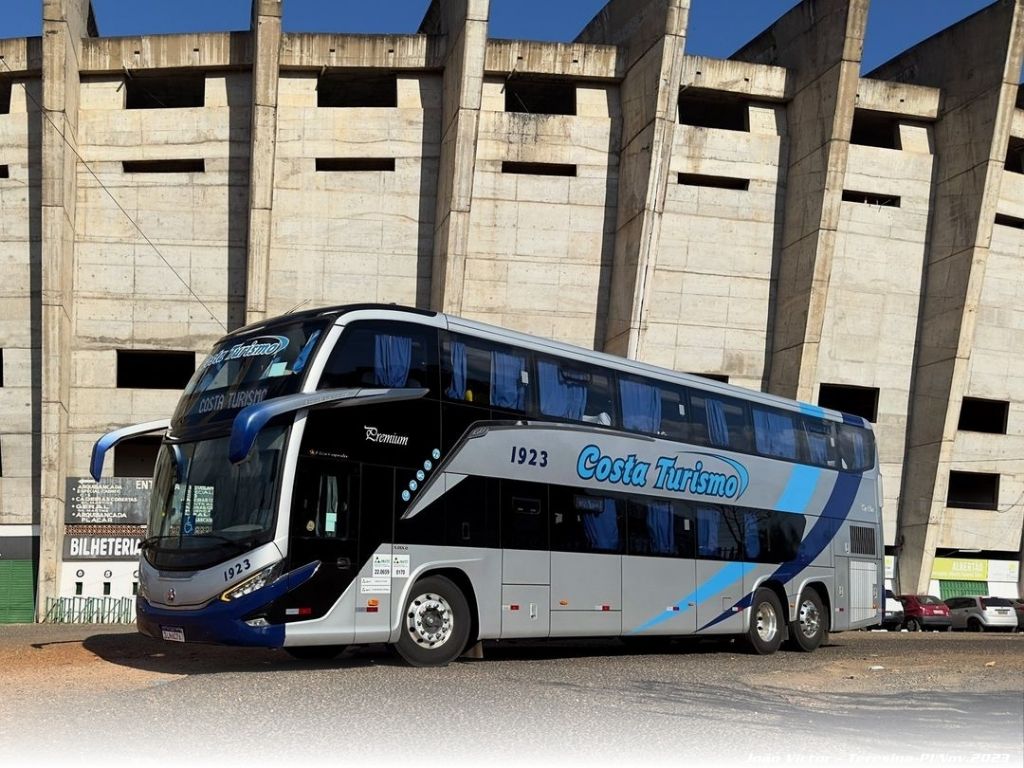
(90, 610)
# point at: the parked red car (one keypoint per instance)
(925, 612)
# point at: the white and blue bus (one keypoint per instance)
(374, 474)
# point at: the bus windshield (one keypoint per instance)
(204, 508)
(246, 369)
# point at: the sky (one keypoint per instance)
(717, 27)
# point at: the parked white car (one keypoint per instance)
(979, 614)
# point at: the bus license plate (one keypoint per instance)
(175, 634)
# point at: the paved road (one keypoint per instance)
(92, 695)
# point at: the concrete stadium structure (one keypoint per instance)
(774, 218)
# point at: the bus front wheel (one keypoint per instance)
(809, 628)
(765, 633)
(435, 624)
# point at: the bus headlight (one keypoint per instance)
(250, 585)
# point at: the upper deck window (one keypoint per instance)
(383, 354)
(575, 392)
(242, 370)
(483, 373)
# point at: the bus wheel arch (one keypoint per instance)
(440, 607)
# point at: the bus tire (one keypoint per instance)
(435, 623)
(809, 628)
(314, 652)
(764, 636)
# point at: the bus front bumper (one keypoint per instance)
(220, 622)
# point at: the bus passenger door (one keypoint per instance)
(323, 527)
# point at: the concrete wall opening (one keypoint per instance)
(5, 96)
(340, 164)
(5, 172)
(357, 89)
(1005, 220)
(981, 415)
(871, 198)
(715, 182)
(973, 490)
(164, 166)
(146, 369)
(165, 91)
(875, 129)
(540, 97)
(1015, 155)
(858, 401)
(538, 169)
(712, 376)
(136, 457)
(1, 367)
(710, 109)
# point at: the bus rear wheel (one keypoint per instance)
(435, 623)
(764, 636)
(809, 628)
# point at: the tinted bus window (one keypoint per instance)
(719, 533)
(659, 527)
(375, 354)
(720, 422)
(524, 515)
(574, 392)
(856, 448)
(654, 408)
(485, 374)
(585, 522)
(777, 433)
(821, 442)
(769, 537)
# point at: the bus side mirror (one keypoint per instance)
(109, 440)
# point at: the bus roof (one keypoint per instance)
(538, 343)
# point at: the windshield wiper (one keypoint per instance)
(152, 542)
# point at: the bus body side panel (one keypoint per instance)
(658, 596)
(586, 594)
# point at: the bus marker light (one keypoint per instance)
(373, 602)
(563, 602)
(673, 608)
(602, 607)
(513, 607)
(298, 611)
(372, 609)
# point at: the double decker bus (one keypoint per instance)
(375, 474)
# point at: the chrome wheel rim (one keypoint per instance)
(429, 620)
(767, 622)
(810, 619)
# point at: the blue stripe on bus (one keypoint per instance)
(727, 575)
(812, 410)
(799, 490)
(837, 508)
(853, 421)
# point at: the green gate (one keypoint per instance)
(17, 591)
(948, 588)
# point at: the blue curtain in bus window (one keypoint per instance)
(457, 389)
(751, 535)
(641, 406)
(602, 527)
(562, 393)
(718, 428)
(774, 433)
(707, 531)
(507, 389)
(392, 356)
(817, 444)
(860, 452)
(659, 526)
(303, 357)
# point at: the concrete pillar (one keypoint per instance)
(464, 25)
(65, 23)
(652, 37)
(820, 42)
(971, 136)
(266, 33)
